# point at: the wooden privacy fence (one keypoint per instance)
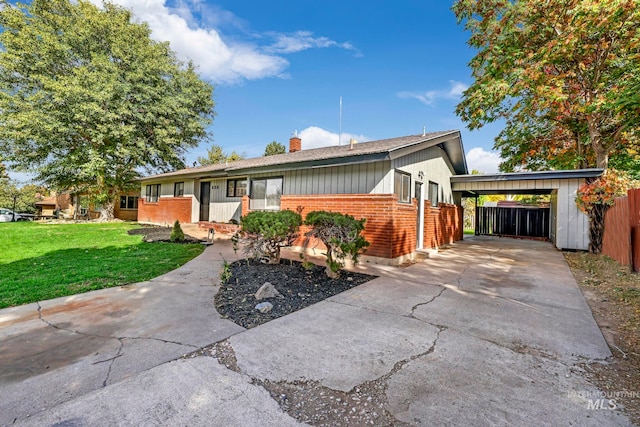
(621, 240)
(512, 221)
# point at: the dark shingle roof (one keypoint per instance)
(361, 152)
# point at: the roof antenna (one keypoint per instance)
(340, 131)
(424, 131)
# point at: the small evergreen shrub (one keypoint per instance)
(177, 235)
(263, 233)
(340, 233)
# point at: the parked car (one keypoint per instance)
(7, 215)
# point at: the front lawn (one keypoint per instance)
(44, 261)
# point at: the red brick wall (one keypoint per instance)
(390, 225)
(126, 214)
(165, 211)
(219, 227)
(443, 224)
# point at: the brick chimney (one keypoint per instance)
(295, 144)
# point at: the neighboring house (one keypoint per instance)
(400, 185)
(66, 205)
(126, 207)
(57, 204)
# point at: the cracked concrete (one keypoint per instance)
(488, 332)
(58, 350)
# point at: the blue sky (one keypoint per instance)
(281, 66)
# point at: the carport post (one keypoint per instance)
(475, 217)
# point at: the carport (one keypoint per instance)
(567, 225)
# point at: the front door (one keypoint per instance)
(205, 188)
(420, 218)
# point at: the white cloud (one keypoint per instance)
(303, 40)
(431, 96)
(219, 60)
(315, 137)
(483, 161)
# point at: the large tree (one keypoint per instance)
(88, 100)
(274, 148)
(216, 155)
(556, 72)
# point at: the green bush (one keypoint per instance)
(340, 233)
(263, 233)
(177, 235)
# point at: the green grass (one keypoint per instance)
(469, 231)
(44, 261)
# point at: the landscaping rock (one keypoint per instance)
(299, 286)
(264, 307)
(267, 291)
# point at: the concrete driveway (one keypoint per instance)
(488, 332)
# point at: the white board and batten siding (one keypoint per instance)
(572, 229)
(167, 187)
(435, 165)
(223, 208)
(363, 178)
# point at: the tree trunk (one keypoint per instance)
(107, 211)
(599, 146)
(596, 228)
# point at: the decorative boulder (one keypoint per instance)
(264, 307)
(267, 291)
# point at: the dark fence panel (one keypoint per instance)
(523, 222)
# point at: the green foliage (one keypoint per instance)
(177, 235)
(274, 148)
(54, 260)
(25, 197)
(263, 233)
(88, 99)
(562, 74)
(216, 155)
(225, 273)
(340, 233)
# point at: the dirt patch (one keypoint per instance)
(299, 287)
(152, 234)
(613, 293)
(312, 403)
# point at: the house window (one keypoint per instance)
(178, 189)
(265, 194)
(402, 185)
(236, 187)
(128, 202)
(153, 192)
(433, 194)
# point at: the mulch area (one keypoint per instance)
(152, 233)
(299, 287)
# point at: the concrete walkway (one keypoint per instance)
(488, 332)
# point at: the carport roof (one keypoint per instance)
(544, 182)
(524, 176)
